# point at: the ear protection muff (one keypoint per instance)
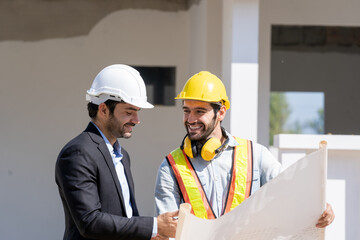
(208, 150)
(189, 147)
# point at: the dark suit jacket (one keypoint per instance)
(91, 193)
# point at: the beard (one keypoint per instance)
(205, 132)
(126, 134)
(118, 129)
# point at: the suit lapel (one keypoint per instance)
(97, 138)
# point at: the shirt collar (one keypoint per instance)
(232, 142)
(115, 151)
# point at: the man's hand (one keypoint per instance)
(167, 224)
(326, 218)
(158, 237)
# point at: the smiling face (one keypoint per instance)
(119, 123)
(200, 120)
(122, 120)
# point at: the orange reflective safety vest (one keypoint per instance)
(192, 190)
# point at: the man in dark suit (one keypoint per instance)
(93, 171)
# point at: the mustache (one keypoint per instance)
(187, 123)
(130, 124)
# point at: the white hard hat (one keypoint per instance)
(119, 82)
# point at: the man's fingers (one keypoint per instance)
(174, 214)
(326, 218)
(167, 224)
(159, 237)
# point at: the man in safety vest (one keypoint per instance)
(213, 170)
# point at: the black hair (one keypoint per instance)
(216, 107)
(93, 108)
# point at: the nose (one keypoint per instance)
(190, 118)
(135, 118)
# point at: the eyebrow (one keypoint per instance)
(133, 109)
(197, 108)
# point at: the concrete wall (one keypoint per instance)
(34, 20)
(43, 106)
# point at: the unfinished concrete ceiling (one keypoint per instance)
(315, 38)
(32, 20)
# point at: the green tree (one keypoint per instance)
(317, 124)
(279, 113)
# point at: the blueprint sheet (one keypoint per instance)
(285, 208)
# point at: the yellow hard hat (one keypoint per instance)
(205, 86)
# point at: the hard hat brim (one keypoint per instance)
(143, 105)
(226, 103)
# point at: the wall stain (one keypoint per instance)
(33, 20)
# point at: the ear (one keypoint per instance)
(221, 113)
(103, 110)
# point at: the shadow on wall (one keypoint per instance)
(44, 19)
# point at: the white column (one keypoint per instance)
(244, 72)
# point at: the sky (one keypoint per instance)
(304, 106)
